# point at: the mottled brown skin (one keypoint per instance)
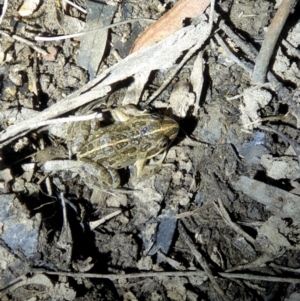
(134, 138)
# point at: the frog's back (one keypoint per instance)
(122, 143)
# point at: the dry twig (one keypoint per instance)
(232, 56)
(267, 49)
(93, 225)
(125, 276)
(22, 40)
(4, 8)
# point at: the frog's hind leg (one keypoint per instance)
(101, 175)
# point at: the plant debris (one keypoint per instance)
(216, 216)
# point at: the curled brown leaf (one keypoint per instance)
(170, 22)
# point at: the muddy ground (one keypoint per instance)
(218, 221)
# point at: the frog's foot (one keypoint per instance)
(142, 170)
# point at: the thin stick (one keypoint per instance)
(250, 51)
(284, 268)
(22, 40)
(76, 6)
(267, 48)
(260, 278)
(189, 213)
(70, 119)
(93, 225)
(79, 34)
(172, 274)
(292, 143)
(126, 276)
(268, 118)
(231, 55)
(4, 8)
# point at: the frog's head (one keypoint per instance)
(169, 128)
(162, 134)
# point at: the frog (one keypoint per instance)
(134, 138)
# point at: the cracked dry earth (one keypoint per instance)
(218, 219)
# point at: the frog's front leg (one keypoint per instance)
(100, 174)
(142, 170)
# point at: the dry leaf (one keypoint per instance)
(170, 22)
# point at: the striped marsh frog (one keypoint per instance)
(135, 137)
